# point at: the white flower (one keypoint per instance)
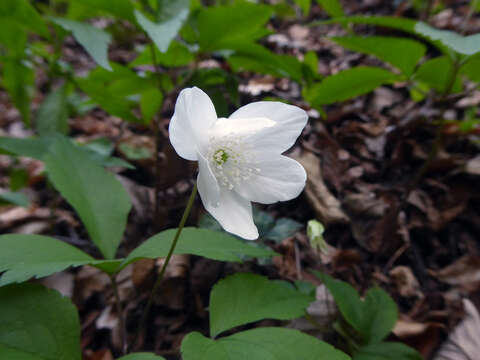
(240, 158)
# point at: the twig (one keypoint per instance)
(121, 315)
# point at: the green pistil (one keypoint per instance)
(220, 156)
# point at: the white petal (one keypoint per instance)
(234, 213)
(207, 183)
(240, 127)
(280, 179)
(290, 121)
(194, 115)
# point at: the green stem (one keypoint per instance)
(185, 215)
(121, 315)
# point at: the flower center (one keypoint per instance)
(231, 160)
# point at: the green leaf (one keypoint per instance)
(373, 318)
(332, 7)
(244, 298)
(141, 356)
(259, 344)
(37, 324)
(15, 198)
(283, 228)
(202, 242)
(466, 45)
(18, 80)
(27, 256)
(221, 26)
(304, 5)
(348, 84)
(387, 351)
(30, 147)
(99, 199)
(135, 153)
(402, 53)
(174, 13)
(176, 55)
(436, 74)
(122, 9)
(21, 12)
(52, 115)
(94, 41)
(151, 101)
(471, 68)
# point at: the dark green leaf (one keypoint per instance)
(436, 74)
(244, 298)
(151, 101)
(283, 228)
(202, 242)
(259, 344)
(387, 351)
(402, 53)
(135, 153)
(52, 115)
(122, 9)
(100, 200)
(95, 41)
(348, 84)
(37, 324)
(332, 7)
(14, 198)
(18, 80)
(174, 13)
(24, 14)
(30, 147)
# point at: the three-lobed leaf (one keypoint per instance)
(244, 298)
(93, 40)
(37, 324)
(99, 199)
(259, 344)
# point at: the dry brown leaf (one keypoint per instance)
(464, 272)
(406, 283)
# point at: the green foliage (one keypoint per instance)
(259, 344)
(93, 40)
(22, 13)
(177, 55)
(18, 80)
(202, 242)
(304, 5)
(471, 68)
(243, 298)
(402, 53)
(348, 84)
(99, 199)
(141, 356)
(171, 17)
(386, 351)
(151, 101)
(52, 115)
(14, 198)
(25, 256)
(37, 324)
(123, 9)
(332, 7)
(373, 317)
(436, 73)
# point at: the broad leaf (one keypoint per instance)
(52, 115)
(348, 84)
(243, 298)
(95, 41)
(471, 68)
(99, 199)
(25, 256)
(221, 26)
(332, 7)
(37, 324)
(15, 198)
(466, 45)
(21, 12)
(151, 101)
(18, 80)
(202, 242)
(259, 344)
(141, 356)
(402, 53)
(176, 55)
(122, 9)
(173, 15)
(304, 5)
(386, 351)
(436, 74)
(30, 147)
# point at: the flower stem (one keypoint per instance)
(121, 317)
(185, 215)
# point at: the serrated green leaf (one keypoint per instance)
(387, 351)
(202, 242)
(18, 80)
(15, 198)
(99, 199)
(52, 115)
(173, 15)
(141, 356)
(402, 53)
(348, 84)
(466, 45)
(25, 256)
(332, 7)
(37, 324)
(259, 344)
(93, 40)
(244, 298)
(436, 74)
(219, 27)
